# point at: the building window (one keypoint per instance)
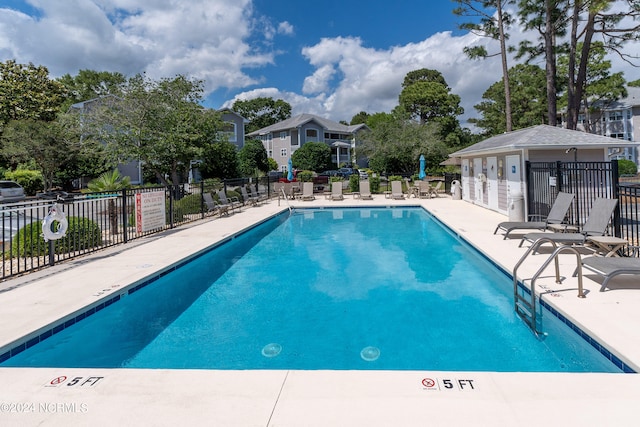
(312, 133)
(229, 131)
(283, 135)
(283, 152)
(615, 115)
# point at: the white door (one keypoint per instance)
(479, 181)
(492, 183)
(466, 181)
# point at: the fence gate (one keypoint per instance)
(586, 180)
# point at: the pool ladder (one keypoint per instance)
(284, 196)
(526, 308)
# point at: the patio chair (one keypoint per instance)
(365, 190)
(396, 190)
(596, 225)
(213, 206)
(609, 268)
(232, 202)
(433, 191)
(255, 192)
(246, 198)
(307, 191)
(556, 216)
(336, 191)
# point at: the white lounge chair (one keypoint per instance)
(396, 190)
(336, 191)
(365, 190)
(307, 191)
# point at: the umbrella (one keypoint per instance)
(290, 174)
(421, 175)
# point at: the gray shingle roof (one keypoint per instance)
(541, 137)
(302, 119)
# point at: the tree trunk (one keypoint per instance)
(505, 70)
(550, 67)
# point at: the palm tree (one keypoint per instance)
(110, 181)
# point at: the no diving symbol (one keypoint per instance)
(428, 382)
(58, 381)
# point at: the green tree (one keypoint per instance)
(51, 145)
(579, 21)
(315, 156)
(27, 92)
(493, 25)
(549, 19)
(376, 119)
(158, 122)
(359, 118)
(427, 97)
(273, 165)
(528, 99)
(220, 160)
(262, 112)
(601, 88)
(89, 84)
(252, 158)
(395, 147)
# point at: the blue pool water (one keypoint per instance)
(385, 288)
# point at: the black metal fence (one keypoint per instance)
(587, 181)
(100, 220)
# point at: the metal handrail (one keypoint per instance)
(554, 257)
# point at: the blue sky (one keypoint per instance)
(331, 58)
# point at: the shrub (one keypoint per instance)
(374, 184)
(188, 205)
(82, 234)
(305, 176)
(627, 167)
(354, 183)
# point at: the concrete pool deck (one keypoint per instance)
(55, 396)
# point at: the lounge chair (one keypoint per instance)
(336, 191)
(261, 195)
(396, 190)
(611, 267)
(556, 216)
(365, 190)
(233, 202)
(433, 191)
(246, 198)
(596, 225)
(213, 206)
(307, 191)
(422, 189)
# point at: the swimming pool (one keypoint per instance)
(377, 288)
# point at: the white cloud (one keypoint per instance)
(200, 38)
(285, 28)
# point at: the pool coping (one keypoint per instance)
(332, 397)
